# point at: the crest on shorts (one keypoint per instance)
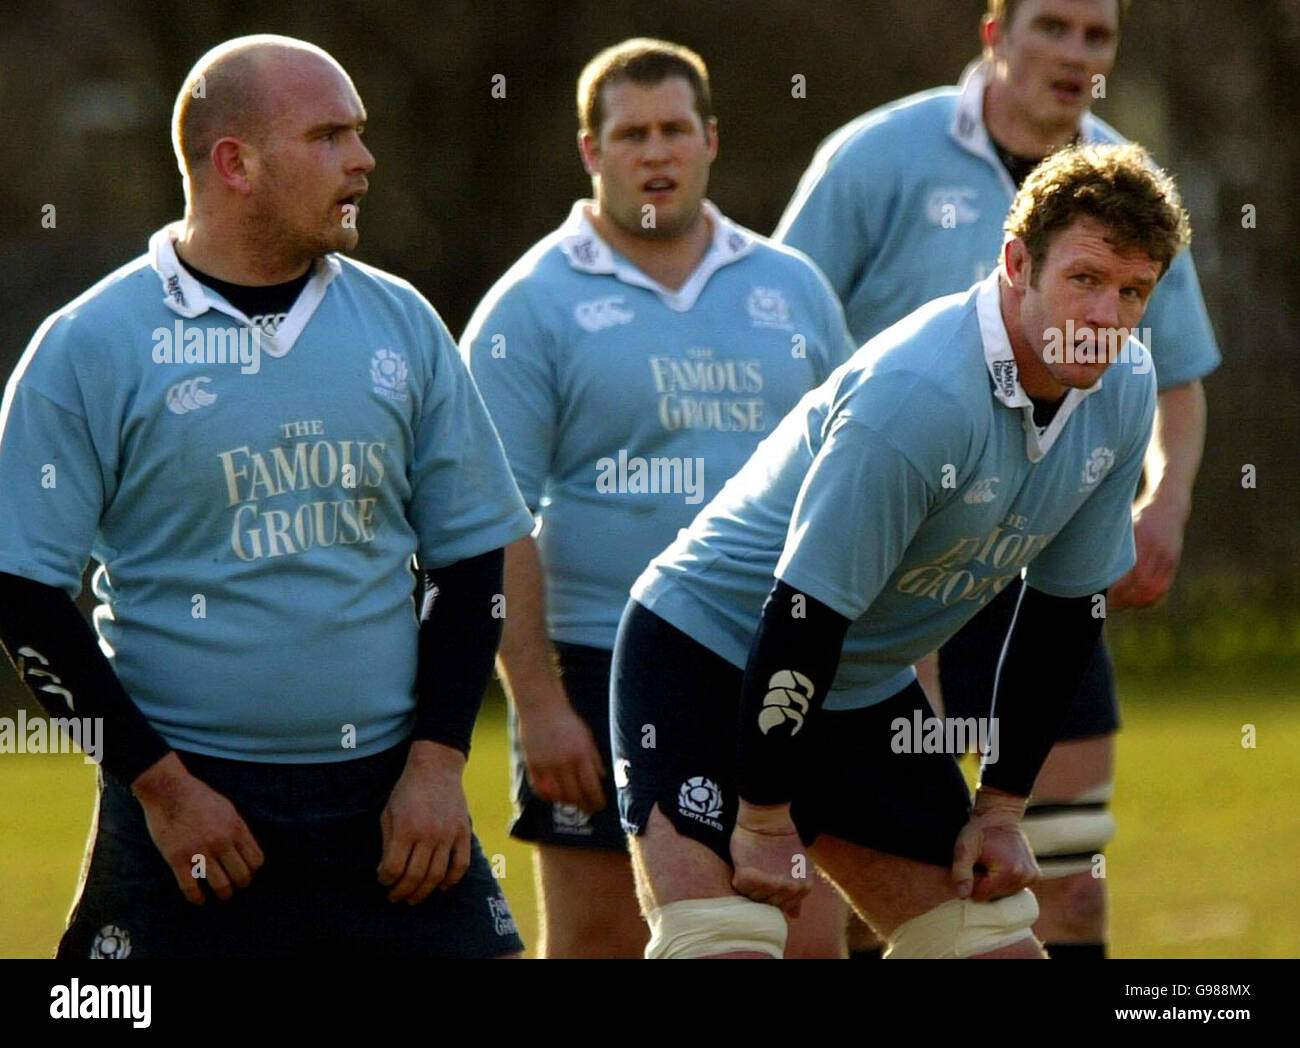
(700, 799)
(111, 943)
(569, 818)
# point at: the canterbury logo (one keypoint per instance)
(601, 313)
(981, 491)
(36, 676)
(787, 699)
(189, 395)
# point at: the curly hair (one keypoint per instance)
(1118, 186)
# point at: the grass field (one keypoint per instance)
(1205, 864)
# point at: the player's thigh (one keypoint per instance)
(673, 727)
(670, 867)
(890, 890)
(819, 930)
(885, 821)
(589, 903)
(886, 890)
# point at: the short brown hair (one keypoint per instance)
(643, 61)
(1004, 11)
(1116, 185)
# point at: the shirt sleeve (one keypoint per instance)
(867, 493)
(836, 343)
(464, 501)
(509, 354)
(1095, 547)
(54, 475)
(827, 220)
(1182, 340)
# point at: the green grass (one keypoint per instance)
(1204, 864)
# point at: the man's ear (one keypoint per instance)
(589, 149)
(990, 35)
(231, 163)
(711, 138)
(1016, 263)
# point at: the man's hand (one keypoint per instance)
(767, 854)
(187, 817)
(563, 762)
(993, 840)
(426, 825)
(1158, 535)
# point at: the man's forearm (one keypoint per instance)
(1051, 642)
(791, 664)
(59, 659)
(457, 644)
(1177, 441)
(527, 659)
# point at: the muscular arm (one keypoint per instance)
(1172, 460)
(563, 761)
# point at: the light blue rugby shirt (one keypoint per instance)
(906, 204)
(910, 488)
(590, 368)
(254, 521)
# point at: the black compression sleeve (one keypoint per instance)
(792, 661)
(1050, 643)
(59, 659)
(458, 644)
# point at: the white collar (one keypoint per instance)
(188, 297)
(588, 253)
(969, 131)
(1001, 363)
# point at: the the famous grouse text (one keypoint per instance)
(269, 521)
(975, 568)
(700, 392)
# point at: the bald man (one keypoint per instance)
(257, 438)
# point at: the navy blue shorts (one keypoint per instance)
(969, 661)
(584, 672)
(316, 895)
(675, 712)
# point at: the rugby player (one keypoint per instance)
(872, 524)
(280, 731)
(906, 204)
(650, 330)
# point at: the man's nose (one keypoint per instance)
(364, 161)
(1103, 308)
(656, 148)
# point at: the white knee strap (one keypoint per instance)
(1065, 840)
(962, 928)
(707, 927)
